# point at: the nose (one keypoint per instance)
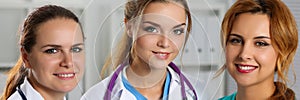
(67, 60)
(163, 42)
(246, 52)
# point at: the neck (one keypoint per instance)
(143, 76)
(147, 80)
(45, 92)
(262, 91)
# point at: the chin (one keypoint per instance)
(244, 83)
(67, 88)
(158, 64)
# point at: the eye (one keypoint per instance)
(76, 49)
(51, 51)
(150, 29)
(235, 41)
(178, 31)
(261, 43)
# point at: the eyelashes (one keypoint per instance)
(76, 49)
(239, 41)
(235, 41)
(261, 43)
(55, 50)
(151, 29)
(51, 51)
(178, 31)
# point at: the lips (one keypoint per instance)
(64, 76)
(161, 55)
(242, 68)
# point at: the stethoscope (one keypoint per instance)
(21, 93)
(183, 80)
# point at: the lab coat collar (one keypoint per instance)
(175, 87)
(120, 93)
(30, 92)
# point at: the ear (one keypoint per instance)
(24, 54)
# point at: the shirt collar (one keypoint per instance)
(30, 92)
(119, 87)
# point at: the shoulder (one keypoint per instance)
(29, 92)
(15, 96)
(230, 97)
(97, 91)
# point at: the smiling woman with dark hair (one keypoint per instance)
(52, 57)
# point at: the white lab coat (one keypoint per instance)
(119, 92)
(28, 91)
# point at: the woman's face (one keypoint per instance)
(161, 34)
(57, 59)
(250, 55)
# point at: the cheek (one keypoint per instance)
(267, 59)
(79, 60)
(145, 43)
(177, 43)
(40, 67)
(230, 54)
(79, 64)
(44, 62)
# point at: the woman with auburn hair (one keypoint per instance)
(156, 30)
(260, 39)
(52, 57)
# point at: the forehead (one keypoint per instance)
(251, 24)
(59, 30)
(165, 10)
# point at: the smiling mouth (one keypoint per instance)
(245, 68)
(65, 75)
(161, 55)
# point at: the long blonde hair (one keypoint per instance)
(134, 9)
(283, 32)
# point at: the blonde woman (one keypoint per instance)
(156, 30)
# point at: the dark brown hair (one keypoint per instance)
(41, 15)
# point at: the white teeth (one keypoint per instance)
(65, 75)
(246, 67)
(162, 54)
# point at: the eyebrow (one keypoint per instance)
(152, 23)
(51, 45)
(179, 25)
(261, 37)
(78, 44)
(258, 37)
(233, 34)
(157, 25)
(59, 46)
